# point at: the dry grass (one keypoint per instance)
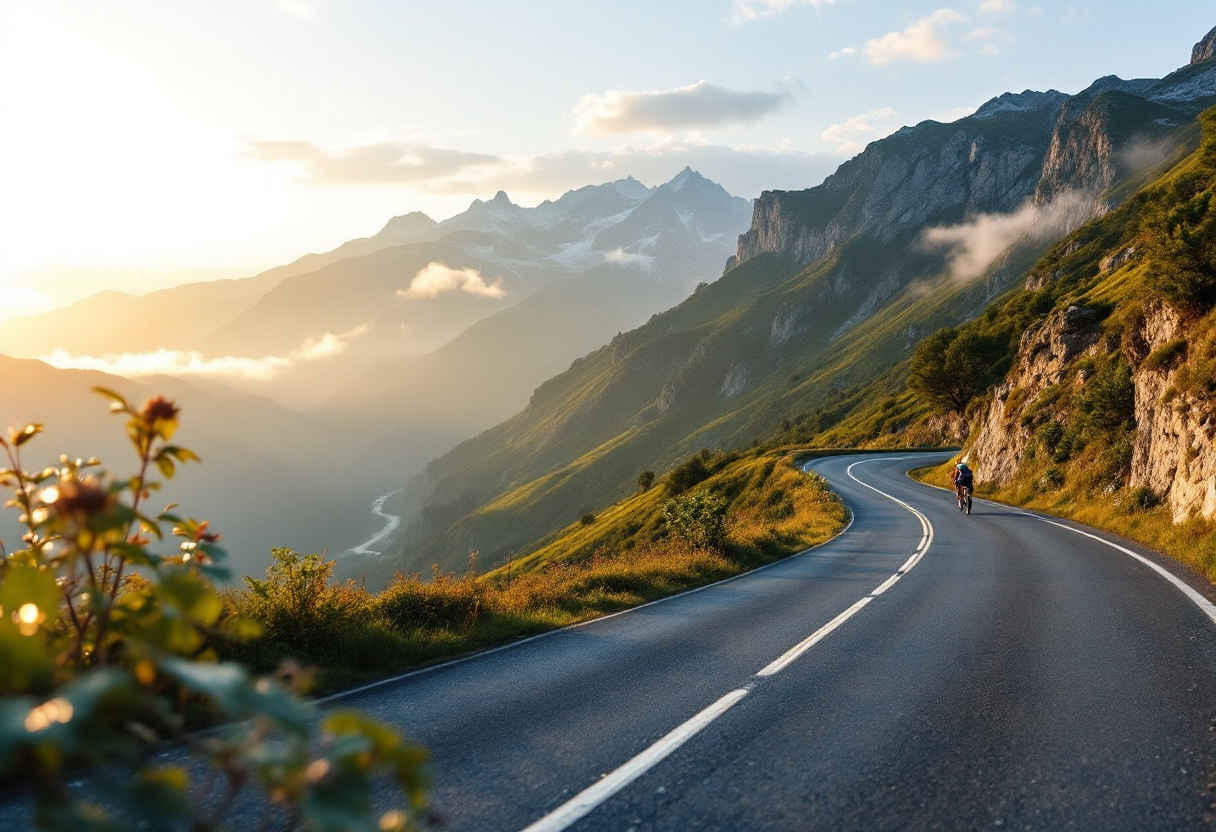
(1116, 510)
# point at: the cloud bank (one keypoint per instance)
(435, 278)
(973, 246)
(180, 363)
(699, 105)
(378, 163)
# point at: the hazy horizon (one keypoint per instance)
(218, 146)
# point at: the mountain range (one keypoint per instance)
(399, 345)
(826, 296)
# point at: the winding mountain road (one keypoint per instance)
(924, 670)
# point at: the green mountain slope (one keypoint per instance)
(831, 289)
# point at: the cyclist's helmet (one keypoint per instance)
(961, 466)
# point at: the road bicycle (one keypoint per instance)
(963, 493)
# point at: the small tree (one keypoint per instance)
(645, 480)
(949, 369)
(104, 641)
(698, 518)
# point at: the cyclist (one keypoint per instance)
(962, 478)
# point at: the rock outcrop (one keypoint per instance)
(1205, 48)
(1173, 454)
(1045, 356)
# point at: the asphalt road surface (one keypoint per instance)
(924, 670)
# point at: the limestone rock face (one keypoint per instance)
(1045, 356)
(1205, 48)
(1174, 455)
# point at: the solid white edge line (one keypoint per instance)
(1198, 600)
(1205, 606)
(592, 796)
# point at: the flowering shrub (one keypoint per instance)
(105, 626)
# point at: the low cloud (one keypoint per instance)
(923, 41)
(1143, 154)
(745, 11)
(624, 258)
(973, 246)
(699, 105)
(850, 136)
(180, 363)
(435, 279)
(369, 164)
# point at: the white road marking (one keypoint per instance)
(782, 661)
(926, 540)
(1203, 603)
(586, 800)
(589, 622)
(1205, 606)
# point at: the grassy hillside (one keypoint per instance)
(627, 554)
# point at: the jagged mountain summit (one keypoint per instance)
(830, 289)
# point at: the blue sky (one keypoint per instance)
(145, 143)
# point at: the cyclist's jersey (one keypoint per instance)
(962, 477)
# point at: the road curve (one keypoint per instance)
(924, 670)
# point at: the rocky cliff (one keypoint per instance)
(1205, 48)
(1040, 145)
(987, 163)
(1172, 452)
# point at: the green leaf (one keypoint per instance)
(191, 594)
(165, 465)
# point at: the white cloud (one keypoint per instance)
(698, 105)
(982, 33)
(973, 246)
(624, 258)
(921, 42)
(851, 136)
(436, 278)
(377, 163)
(748, 10)
(997, 8)
(181, 363)
(328, 345)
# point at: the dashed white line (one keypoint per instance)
(586, 800)
(926, 540)
(589, 798)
